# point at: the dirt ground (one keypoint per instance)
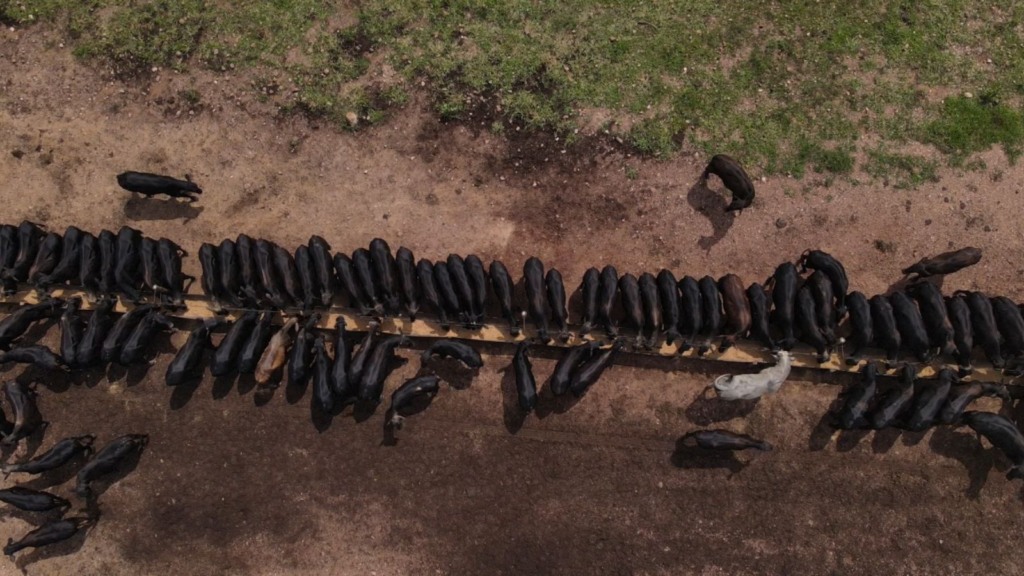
(229, 487)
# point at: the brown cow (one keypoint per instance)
(737, 309)
(945, 263)
(734, 178)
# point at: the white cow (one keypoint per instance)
(753, 386)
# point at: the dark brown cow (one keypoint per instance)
(945, 263)
(737, 309)
(734, 178)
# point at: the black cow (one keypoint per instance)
(153, 184)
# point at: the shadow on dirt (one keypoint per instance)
(690, 458)
(712, 205)
(451, 371)
(548, 403)
(141, 208)
(821, 434)
(850, 439)
(182, 393)
(222, 385)
(708, 408)
(511, 414)
(885, 439)
(321, 420)
(966, 449)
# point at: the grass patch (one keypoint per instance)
(655, 137)
(785, 86)
(967, 125)
(159, 33)
(908, 170)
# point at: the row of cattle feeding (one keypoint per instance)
(254, 345)
(867, 404)
(107, 264)
(248, 273)
(784, 311)
(917, 408)
(357, 375)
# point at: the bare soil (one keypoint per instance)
(600, 487)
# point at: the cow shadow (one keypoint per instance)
(913, 437)
(36, 332)
(389, 437)
(512, 415)
(115, 372)
(455, 373)
(885, 439)
(321, 420)
(7, 450)
(712, 205)
(966, 449)
(821, 434)
(363, 411)
(35, 518)
(143, 208)
(136, 373)
(707, 408)
(897, 286)
(222, 385)
(695, 458)
(850, 439)
(87, 377)
(183, 393)
(295, 390)
(827, 426)
(56, 381)
(246, 383)
(548, 403)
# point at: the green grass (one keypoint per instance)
(907, 170)
(966, 125)
(787, 86)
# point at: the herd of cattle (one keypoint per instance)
(247, 273)
(262, 280)
(259, 274)
(75, 450)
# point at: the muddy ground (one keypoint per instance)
(231, 487)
